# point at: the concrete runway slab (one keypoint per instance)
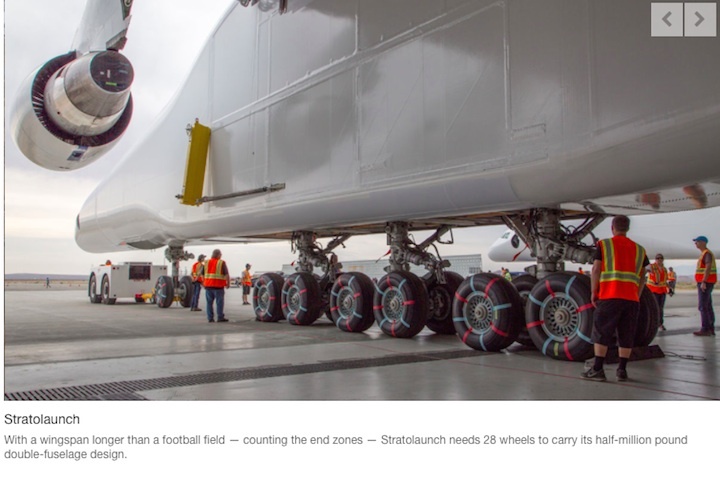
(55, 340)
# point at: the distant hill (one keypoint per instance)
(43, 276)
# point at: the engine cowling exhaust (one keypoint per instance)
(72, 110)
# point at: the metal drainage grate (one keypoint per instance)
(125, 390)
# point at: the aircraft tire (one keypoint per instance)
(487, 312)
(301, 302)
(106, 291)
(267, 296)
(559, 316)
(524, 285)
(441, 319)
(185, 291)
(92, 290)
(351, 302)
(648, 319)
(164, 292)
(400, 304)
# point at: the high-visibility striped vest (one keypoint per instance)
(196, 276)
(672, 276)
(622, 264)
(700, 271)
(214, 277)
(246, 278)
(658, 279)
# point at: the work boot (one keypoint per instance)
(594, 375)
(703, 333)
(621, 375)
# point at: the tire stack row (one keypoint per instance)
(488, 313)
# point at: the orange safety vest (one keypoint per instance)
(700, 271)
(246, 278)
(196, 276)
(672, 276)
(622, 264)
(658, 279)
(214, 277)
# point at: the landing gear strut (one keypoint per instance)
(304, 297)
(403, 302)
(172, 288)
(558, 310)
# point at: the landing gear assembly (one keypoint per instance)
(405, 303)
(547, 308)
(400, 302)
(303, 297)
(169, 289)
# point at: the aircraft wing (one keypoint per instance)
(104, 26)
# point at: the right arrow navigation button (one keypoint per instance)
(700, 20)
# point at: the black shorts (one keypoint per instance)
(246, 289)
(615, 316)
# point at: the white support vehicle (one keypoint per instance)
(135, 280)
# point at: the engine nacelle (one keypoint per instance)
(73, 110)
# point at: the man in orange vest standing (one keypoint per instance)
(672, 280)
(658, 285)
(246, 283)
(617, 279)
(216, 278)
(197, 279)
(706, 277)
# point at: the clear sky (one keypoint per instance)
(164, 39)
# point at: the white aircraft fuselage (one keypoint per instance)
(424, 111)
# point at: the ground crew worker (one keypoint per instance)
(617, 279)
(246, 283)
(197, 279)
(706, 278)
(506, 274)
(215, 278)
(658, 284)
(672, 280)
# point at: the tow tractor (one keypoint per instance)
(135, 280)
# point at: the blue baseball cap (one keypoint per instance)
(701, 239)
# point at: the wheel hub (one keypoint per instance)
(561, 317)
(347, 305)
(294, 299)
(479, 311)
(440, 303)
(263, 297)
(393, 301)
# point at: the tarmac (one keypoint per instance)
(60, 346)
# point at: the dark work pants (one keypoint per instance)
(660, 299)
(215, 295)
(197, 286)
(707, 314)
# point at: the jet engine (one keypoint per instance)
(73, 109)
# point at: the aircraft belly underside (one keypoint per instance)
(471, 111)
